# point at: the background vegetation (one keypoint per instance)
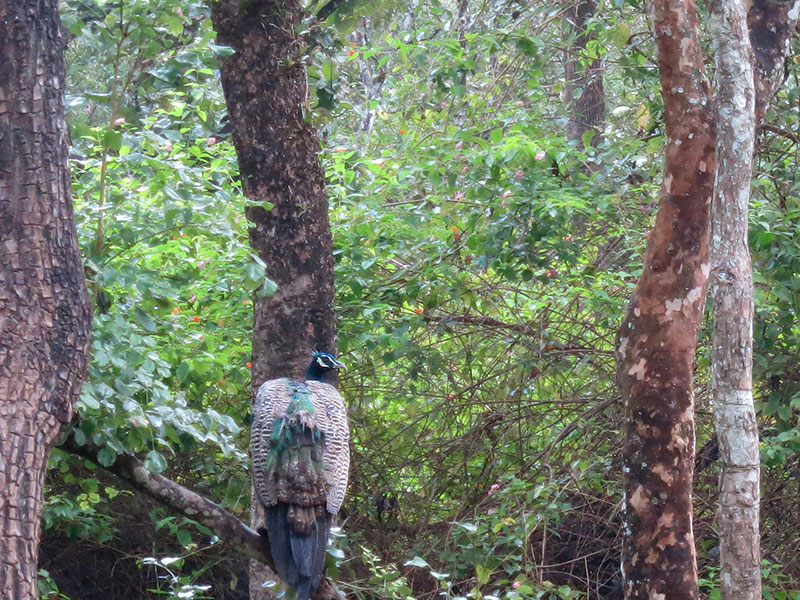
(483, 264)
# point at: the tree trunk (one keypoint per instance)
(584, 77)
(45, 319)
(772, 24)
(657, 339)
(738, 106)
(732, 292)
(265, 90)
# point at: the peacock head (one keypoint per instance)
(322, 363)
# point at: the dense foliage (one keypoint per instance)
(483, 264)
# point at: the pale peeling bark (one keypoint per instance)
(45, 317)
(732, 292)
(657, 339)
(741, 100)
(265, 91)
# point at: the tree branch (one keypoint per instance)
(223, 523)
(233, 533)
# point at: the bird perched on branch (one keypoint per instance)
(299, 447)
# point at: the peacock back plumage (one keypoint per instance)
(300, 456)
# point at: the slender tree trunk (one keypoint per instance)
(45, 319)
(265, 90)
(732, 292)
(657, 339)
(584, 76)
(462, 24)
(772, 24)
(738, 105)
(359, 37)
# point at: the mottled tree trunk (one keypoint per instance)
(45, 319)
(584, 78)
(731, 276)
(657, 339)
(265, 90)
(732, 292)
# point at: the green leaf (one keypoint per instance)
(155, 462)
(173, 24)
(496, 135)
(112, 140)
(106, 457)
(184, 537)
(336, 553)
(182, 372)
(144, 320)
(586, 138)
(80, 437)
(254, 273)
(98, 96)
(72, 23)
(221, 51)
(268, 288)
(482, 574)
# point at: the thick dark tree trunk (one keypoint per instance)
(584, 77)
(265, 89)
(45, 319)
(657, 339)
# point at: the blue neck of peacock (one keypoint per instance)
(316, 372)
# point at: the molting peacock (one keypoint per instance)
(300, 450)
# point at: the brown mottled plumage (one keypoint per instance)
(299, 447)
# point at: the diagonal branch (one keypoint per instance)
(236, 535)
(223, 523)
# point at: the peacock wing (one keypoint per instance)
(331, 419)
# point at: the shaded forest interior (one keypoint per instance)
(484, 255)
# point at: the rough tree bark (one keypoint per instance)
(265, 90)
(738, 106)
(584, 78)
(657, 339)
(45, 319)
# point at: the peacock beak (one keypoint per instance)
(340, 365)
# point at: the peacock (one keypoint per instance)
(300, 453)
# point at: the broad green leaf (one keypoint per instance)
(144, 320)
(155, 462)
(106, 456)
